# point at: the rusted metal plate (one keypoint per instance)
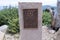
(30, 17)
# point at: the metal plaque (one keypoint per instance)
(30, 17)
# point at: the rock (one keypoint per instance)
(47, 34)
(1, 35)
(58, 35)
(3, 28)
(51, 31)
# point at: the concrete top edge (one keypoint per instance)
(30, 2)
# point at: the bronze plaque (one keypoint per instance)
(30, 17)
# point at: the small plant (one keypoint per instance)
(46, 19)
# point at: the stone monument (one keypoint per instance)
(30, 19)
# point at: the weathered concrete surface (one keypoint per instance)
(32, 33)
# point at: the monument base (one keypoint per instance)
(30, 34)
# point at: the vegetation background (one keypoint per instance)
(9, 16)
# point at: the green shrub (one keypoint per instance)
(3, 20)
(9, 16)
(46, 19)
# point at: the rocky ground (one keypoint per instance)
(47, 34)
(11, 37)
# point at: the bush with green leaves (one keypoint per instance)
(3, 20)
(46, 19)
(9, 16)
